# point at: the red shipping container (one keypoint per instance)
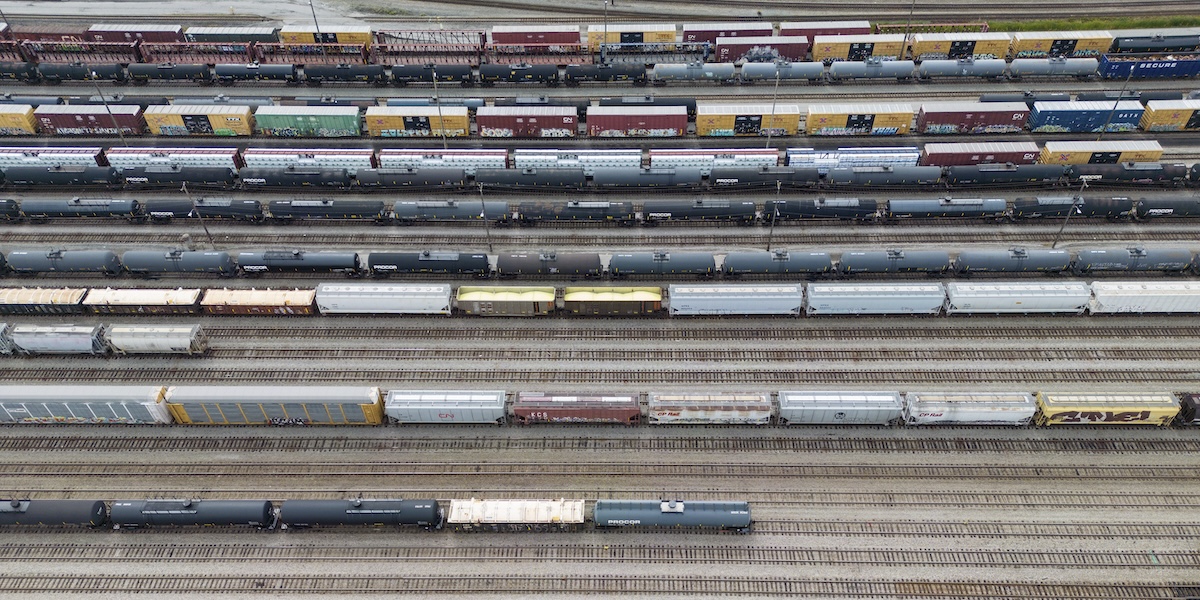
(89, 119)
(538, 407)
(527, 122)
(115, 32)
(636, 121)
(762, 49)
(812, 29)
(694, 33)
(533, 34)
(48, 33)
(944, 155)
(972, 117)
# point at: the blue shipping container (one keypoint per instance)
(1085, 117)
(1144, 68)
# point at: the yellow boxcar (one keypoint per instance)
(631, 33)
(943, 46)
(17, 119)
(728, 120)
(1082, 153)
(417, 121)
(275, 405)
(1158, 408)
(1171, 115)
(859, 119)
(335, 34)
(186, 120)
(1072, 44)
(828, 48)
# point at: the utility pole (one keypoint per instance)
(487, 229)
(200, 217)
(1074, 206)
(1116, 103)
(108, 109)
(774, 215)
(774, 97)
(437, 99)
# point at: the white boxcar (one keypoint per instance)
(129, 404)
(875, 298)
(1017, 297)
(840, 408)
(157, 339)
(59, 339)
(1145, 297)
(332, 158)
(440, 406)
(787, 299)
(6, 345)
(519, 515)
(50, 157)
(716, 409)
(384, 298)
(123, 158)
(954, 408)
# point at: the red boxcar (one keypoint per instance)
(972, 117)
(710, 32)
(636, 121)
(541, 407)
(943, 155)
(119, 32)
(90, 119)
(762, 49)
(811, 29)
(48, 33)
(527, 121)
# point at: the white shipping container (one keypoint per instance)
(953, 408)
(1145, 297)
(717, 409)
(158, 339)
(785, 299)
(59, 339)
(875, 298)
(381, 298)
(83, 404)
(974, 298)
(439, 406)
(840, 408)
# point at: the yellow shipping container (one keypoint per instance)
(728, 120)
(184, 120)
(336, 34)
(828, 48)
(1072, 44)
(859, 119)
(1171, 115)
(1107, 409)
(1082, 153)
(936, 46)
(617, 33)
(17, 119)
(417, 121)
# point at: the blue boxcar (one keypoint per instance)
(1117, 67)
(1085, 117)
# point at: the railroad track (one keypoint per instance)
(708, 586)
(599, 553)
(140, 469)
(958, 376)
(512, 355)
(157, 440)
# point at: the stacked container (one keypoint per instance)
(624, 33)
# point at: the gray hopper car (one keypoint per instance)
(336, 513)
(35, 208)
(776, 262)
(287, 210)
(519, 178)
(884, 176)
(822, 208)
(407, 212)
(165, 209)
(424, 177)
(699, 264)
(437, 262)
(1013, 260)
(574, 210)
(191, 513)
(54, 513)
(1133, 259)
(895, 261)
(947, 207)
(64, 261)
(647, 178)
(154, 262)
(963, 67)
(253, 177)
(564, 264)
(673, 514)
(263, 261)
(654, 211)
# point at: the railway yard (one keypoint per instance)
(589, 421)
